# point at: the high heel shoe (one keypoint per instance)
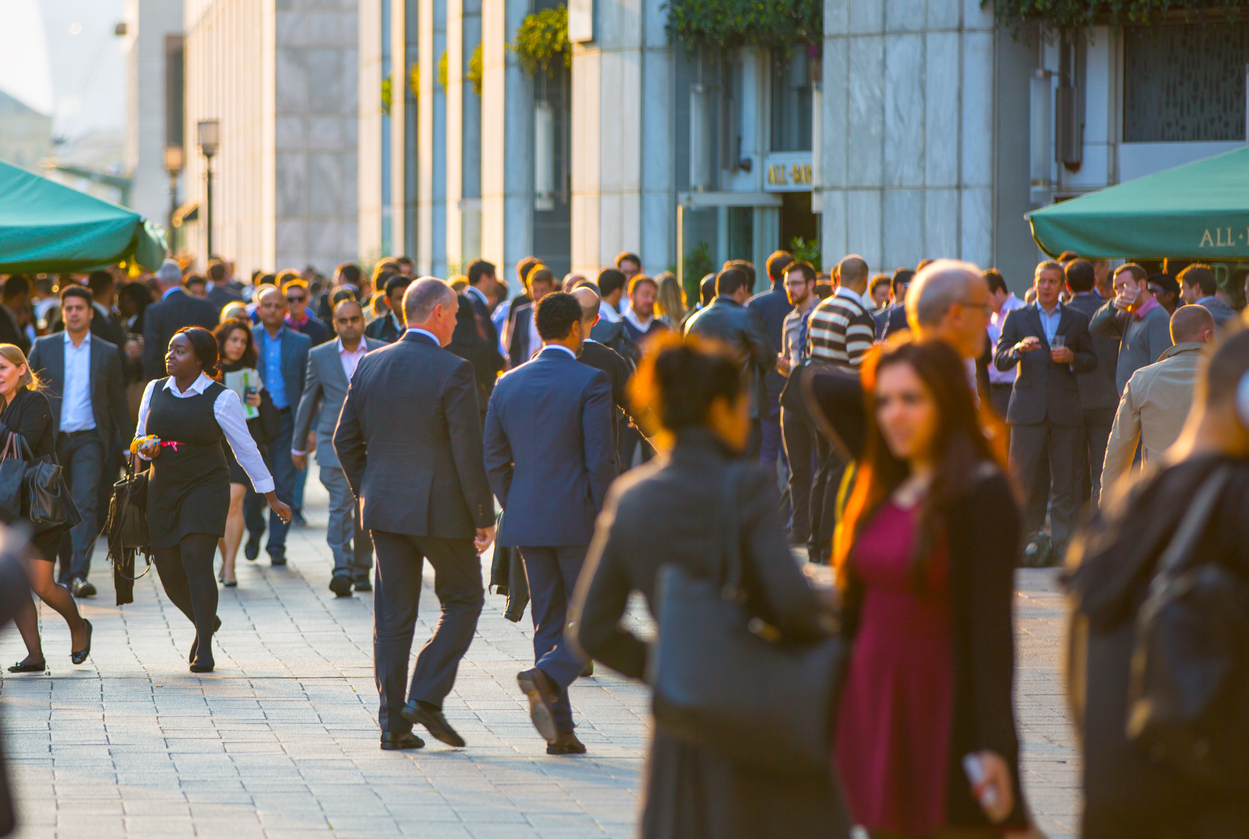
(230, 583)
(80, 656)
(28, 666)
(195, 644)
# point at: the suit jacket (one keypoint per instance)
(162, 319)
(10, 332)
(314, 328)
(325, 390)
(772, 306)
(1097, 388)
(550, 454)
(383, 329)
(518, 349)
(1044, 388)
(743, 330)
(477, 341)
(613, 335)
(409, 441)
(619, 371)
(222, 295)
(889, 320)
(108, 390)
(295, 346)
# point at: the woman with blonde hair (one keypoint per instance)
(27, 416)
(670, 300)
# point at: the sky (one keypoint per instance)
(62, 57)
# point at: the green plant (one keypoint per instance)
(697, 265)
(414, 80)
(387, 89)
(442, 71)
(541, 37)
(1076, 14)
(476, 70)
(806, 250)
(724, 24)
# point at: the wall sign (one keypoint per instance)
(788, 171)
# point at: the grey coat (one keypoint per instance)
(325, 390)
(1142, 341)
(743, 330)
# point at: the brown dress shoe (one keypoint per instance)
(566, 744)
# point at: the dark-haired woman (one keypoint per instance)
(659, 514)
(925, 561)
(26, 413)
(188, 497)
(238, 352)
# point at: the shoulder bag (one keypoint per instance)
(127, 532)
(722, 681)
(12, 476)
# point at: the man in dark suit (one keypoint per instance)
(330, 368)
(550, 459)
(174, 310)
(728, 320)
(476, 340)
(106, 324)
(219, 292)
(523, 339)
(90, 417)
(1099, 398)
(892, 318)
(388, 328)
(772, 306)
(282, 359)
(1051, 344)
(618, 369)
(425, 496)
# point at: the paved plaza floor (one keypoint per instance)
(282, 740)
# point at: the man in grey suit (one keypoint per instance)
(330, 368)
(1051, 344)
(90, 417)
(409, 441)
(174, 310)
(550, 455)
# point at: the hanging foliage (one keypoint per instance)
(442, 71)
(1076, 14)
(541, 38)
(476, 70)
(414, 80)
(725, 24)
(387, 88)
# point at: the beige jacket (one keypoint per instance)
(1152, 411)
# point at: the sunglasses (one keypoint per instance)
(296, 299)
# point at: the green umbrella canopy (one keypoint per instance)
(1196, 211)
(48, 227)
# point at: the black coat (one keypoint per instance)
(409, 440)
(614, 336)
(30, 415)
(383, 329)
(108, 389)
(743, 330)
(477, 341)
(772, 306)
(658, 514)
(618, 373)
(162, 319)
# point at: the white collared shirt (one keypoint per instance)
(349, 359)
(535, 340)
(571, 354)
(632, 317)
(76, 413)
(228, 411)
(996, 376)
(608, 312)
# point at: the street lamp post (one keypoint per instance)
(209, 131)
(173, 165)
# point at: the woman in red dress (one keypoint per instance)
(925, 559)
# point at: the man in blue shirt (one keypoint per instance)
(283, 360)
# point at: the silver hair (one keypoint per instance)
(423, 296)
(935, 289)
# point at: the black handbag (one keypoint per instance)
(12, 476)
(127, 532)
(723, 682)
(1188, 688)
(46, 502)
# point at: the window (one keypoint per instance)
(791, 99)
(1184, 83)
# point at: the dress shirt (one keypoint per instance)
(1010, 304)
(228, 411)
(431, 336)
(1049, 321)
(571, 354)
(535, 340)
(350, 358)
(643, 326)
(1146, 307)
(271, 357)
(794, 333)
(76, 413)
(608, 312)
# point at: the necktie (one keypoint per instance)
(802, 337)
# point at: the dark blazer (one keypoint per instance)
(325, 390)
(743, 330)
(667, 512)
(105, 326)
(222, 295)
(518, 349)
(772, 306)
(614, 336)
(162, 319)
(314, 328)
(10, 332)
(619, 371)
(409, 441)
(30, 415)
(383, 329)
(550, 454)
(108, 390)
(295, 346)
(1044, 388)
(890, 320)
(1098, 388)
(477, 341)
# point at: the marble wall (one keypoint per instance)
(147, 24)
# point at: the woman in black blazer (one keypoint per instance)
(26, 412)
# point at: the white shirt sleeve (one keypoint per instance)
(229, 413)
(145, 405)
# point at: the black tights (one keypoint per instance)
(186, 572)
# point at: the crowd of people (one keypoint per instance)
(923, 432)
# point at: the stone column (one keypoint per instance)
(506, 140)
(404, 119)
(431, 235)
(463, 139)
(369, 130)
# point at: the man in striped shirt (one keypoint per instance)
(840, 331)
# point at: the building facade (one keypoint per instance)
(153, 46)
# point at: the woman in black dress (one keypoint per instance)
(188, 497)
(238, 352)
(26, 413)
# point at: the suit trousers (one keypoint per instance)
(283, 470)
(1097, 425)
(800, 451)
(1059, 447)
(81, 455)
(349, 543)
(457, 583)
(552, 575)
(824, 488)
(772, 458)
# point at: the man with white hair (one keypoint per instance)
(174, 310)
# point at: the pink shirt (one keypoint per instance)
(1147, 307)
(350, 359)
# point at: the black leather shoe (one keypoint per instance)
(567, 744)
(195, 644)
(28, 666)
(252, 549)
(79, 656)
(277, 559)
(434, 721)
(202, 664)
(340, 584)
(588, 671)
(394, 742)
(82, 588)
(537, 688)
(297, 518)
(363, 585)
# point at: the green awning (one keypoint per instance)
(1196, 211)
(48, 227)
